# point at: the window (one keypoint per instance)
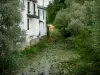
(38, 12)
(43, 14)
(28, 7)
(23, 1)
(27, 24)
(34, 8)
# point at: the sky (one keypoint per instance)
(46, 2)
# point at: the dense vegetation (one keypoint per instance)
(53, 8)
(78, 21)
(10, 35)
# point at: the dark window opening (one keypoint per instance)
(28, 7)
(43, 14)
(38, 12)
(27, 24)
(34, 9)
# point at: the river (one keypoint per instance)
(42, 63)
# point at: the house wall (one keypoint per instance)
(43, 27)
(33, 31)
(37, 26)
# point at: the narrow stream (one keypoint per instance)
(43, 61)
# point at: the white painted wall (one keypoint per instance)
(36, 28)
(33, 31)
(43, 27)
(46, 2)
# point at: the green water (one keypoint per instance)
(50, 56)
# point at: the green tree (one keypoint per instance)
(82, 19)
(10, 33)
(53, 8)
(73, 19)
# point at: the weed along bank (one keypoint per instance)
(33, 21)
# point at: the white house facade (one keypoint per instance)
(42, 20)
(33, 22)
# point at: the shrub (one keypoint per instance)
(10, 34)
(35, 48)
(55, 35)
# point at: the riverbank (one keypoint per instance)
(42, 62)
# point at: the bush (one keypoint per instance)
(9, 64)
(35, 48)
(55, 35)
(10, 35)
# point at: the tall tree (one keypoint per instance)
(53, 8)
(10, 33)
(82, 19)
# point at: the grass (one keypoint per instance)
(21, 59)
(34, 49)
